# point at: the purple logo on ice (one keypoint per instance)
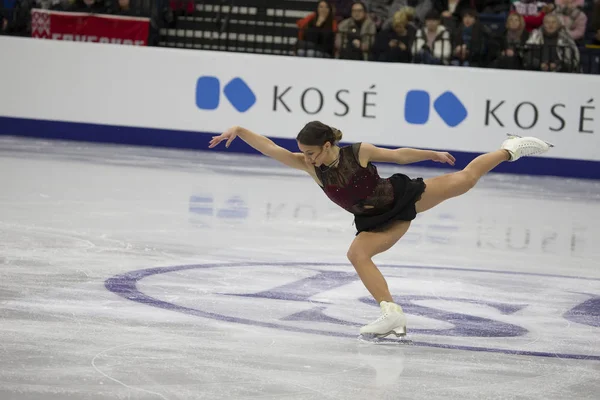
(323, 301)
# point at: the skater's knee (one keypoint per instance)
(352, 255)
(468, 179)
(356, 255)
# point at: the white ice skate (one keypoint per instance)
(518, 146)
(391, 321)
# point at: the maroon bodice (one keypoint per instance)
(359, 190)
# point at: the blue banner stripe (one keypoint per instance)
(176, 139)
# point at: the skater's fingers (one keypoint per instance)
(215, 141)
(445, 158)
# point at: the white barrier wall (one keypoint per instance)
(451, 108)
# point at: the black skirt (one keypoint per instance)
(407, 192)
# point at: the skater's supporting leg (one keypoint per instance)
(364, 247)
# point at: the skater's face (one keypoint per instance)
(316, 155)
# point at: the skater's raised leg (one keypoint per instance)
(447, 186)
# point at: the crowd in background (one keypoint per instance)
(536, 35)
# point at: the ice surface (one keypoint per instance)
(137, 273)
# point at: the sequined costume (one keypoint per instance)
(373, 200)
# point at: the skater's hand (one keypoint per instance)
(228, 135)
(442, 157)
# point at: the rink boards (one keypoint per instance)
(180, 98)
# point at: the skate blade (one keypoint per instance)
(512, 135)
(398, 336)
(381, 339)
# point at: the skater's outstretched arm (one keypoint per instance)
(369, 152)
(263, 144)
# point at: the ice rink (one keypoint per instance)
(138, 273)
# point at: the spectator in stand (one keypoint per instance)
(317, 33)
(551, 48)
(596, 23)
(161, 16)
(433, 44)
(419, 8)
(89, 6)
(394, 43)
(511, 43)
(378, 11)
(356, 34)
(533, 11)
(452, 10)
(20, 22)
(470, 41)
(572, 18)
(6, 11)
(410, 14)
(3, 22)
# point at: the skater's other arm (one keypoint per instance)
(263, 144)
(369, 152)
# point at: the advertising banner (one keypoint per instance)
(83, 27)
(458, 109)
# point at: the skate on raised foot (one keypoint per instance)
(391, 322)
(518, 146)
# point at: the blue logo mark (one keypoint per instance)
(418, 104)
(208, 94)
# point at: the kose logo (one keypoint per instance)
(208, 94)
(449, 108)
(526, 115)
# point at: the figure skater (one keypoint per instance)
(383, 208)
